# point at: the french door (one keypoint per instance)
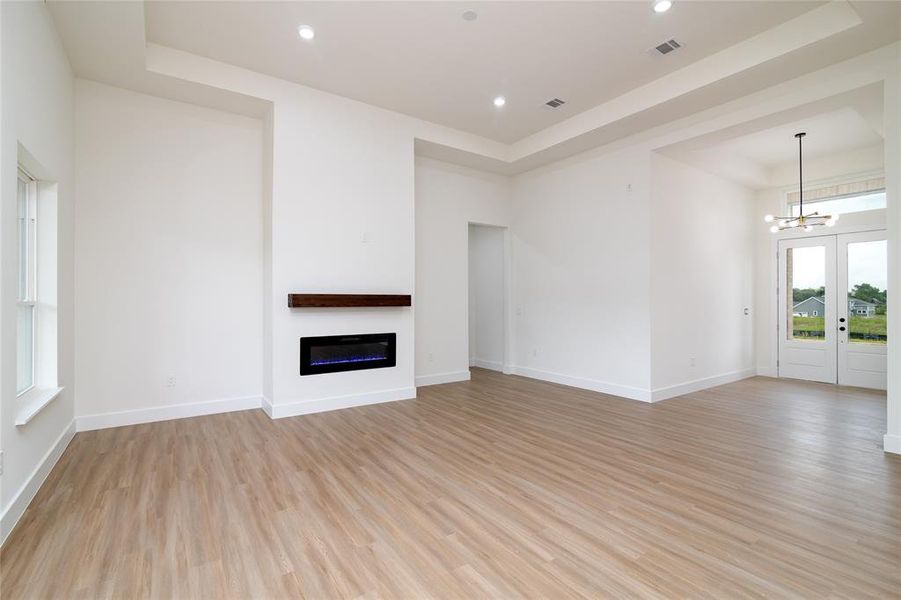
(832, 311)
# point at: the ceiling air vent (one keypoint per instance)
(556, 102)
(667, 47)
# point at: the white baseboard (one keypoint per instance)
(493, 365)
(20, 501)
(439, 378)
(166, 413)
(594, 385)
(892, 443)
(266, 405)
(767, 372)
(700, 384)
(305, 407)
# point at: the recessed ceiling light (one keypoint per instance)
(470, 15)
(662, 5)
(500, 101)
(306, 32)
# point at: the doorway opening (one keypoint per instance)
(487, 297)
(832, 309)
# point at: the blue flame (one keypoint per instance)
(352, 359)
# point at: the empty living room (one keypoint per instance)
(443, 299)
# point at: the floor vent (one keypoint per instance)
(555, 103)
(667, 47)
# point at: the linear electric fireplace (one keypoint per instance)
(333, 353)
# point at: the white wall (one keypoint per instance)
(170, 255)
(702, 278)
(487, 297)
(581, 275)
(373, 126)
(37, 112)
(448, 198)
(342, 215)
(847, 163)
(342, 222)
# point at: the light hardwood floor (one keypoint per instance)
(500, 487)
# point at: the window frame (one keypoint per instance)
(29, 262)
(810, 205)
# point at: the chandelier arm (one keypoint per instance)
(801, 221)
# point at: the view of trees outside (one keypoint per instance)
(867, 281)
(862, 329)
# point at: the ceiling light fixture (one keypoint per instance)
(306, 32)
(500, 101)
(802, 221)
(470, 15)
(661, 6)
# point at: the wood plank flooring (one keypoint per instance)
(500, 487)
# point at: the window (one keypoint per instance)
(840, 205)
(26, 201)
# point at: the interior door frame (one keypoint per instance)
(507, 362)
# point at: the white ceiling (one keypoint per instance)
(842, 132)
(829, 133)
(424, 60)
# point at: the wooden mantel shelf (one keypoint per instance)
(347, 300)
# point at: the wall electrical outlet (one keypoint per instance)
(170, 382)
(691, 361)
(431, 357)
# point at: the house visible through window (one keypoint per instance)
(26, 200)
(840, 205)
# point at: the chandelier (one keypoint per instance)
(802, 221)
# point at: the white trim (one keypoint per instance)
(33, 401)
(166, 413)
(305, 407)
(22, 498)
(766, 371)
(509, 325)
(892, 443)
(697, 385)
(594, 385)
(493, 365)
(439, 378)
(267, 406)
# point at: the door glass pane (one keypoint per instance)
(867, 275)
(806, 289)
(25, 350)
